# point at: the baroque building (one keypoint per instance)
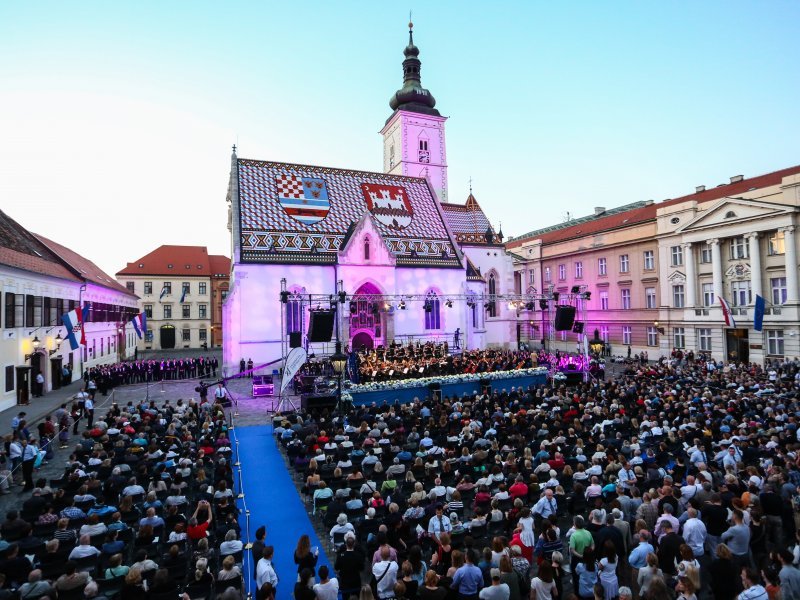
(655, 271)
(181, 291)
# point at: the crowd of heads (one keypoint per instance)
(145, 505)
(671, 468)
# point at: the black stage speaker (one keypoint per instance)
(565, 317)
(577, 327)
(320, 326)
(318, 402)
(295, 339)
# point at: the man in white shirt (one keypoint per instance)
(84, 549)
(133, 488)
(385, 573)
(694, 533)
(265, 572)
(439, 523)
(328, 587)
(627, 477)
(89, 408)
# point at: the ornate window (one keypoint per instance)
(366, 248)
(491, 305)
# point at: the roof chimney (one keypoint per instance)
(700, 188)
(736, 178)
(599, 210)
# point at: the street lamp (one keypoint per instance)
(36, 343)
(338, 361)
(58, 341)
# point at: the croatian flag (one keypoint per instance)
(139, 323)
(758, 313)
(163, 293)
(73, 321)
(726, 313)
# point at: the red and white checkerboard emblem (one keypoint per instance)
(305, 199)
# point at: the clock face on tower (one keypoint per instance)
(424, 156)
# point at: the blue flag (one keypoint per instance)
(163, 293)
(758, 313)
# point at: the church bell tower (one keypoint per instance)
(413, 136)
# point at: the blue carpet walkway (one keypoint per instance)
(273, 501)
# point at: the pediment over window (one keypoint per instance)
(677, 277)
(739, 271)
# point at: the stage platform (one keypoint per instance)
(455, 386)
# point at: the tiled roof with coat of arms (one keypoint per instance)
(300, 214)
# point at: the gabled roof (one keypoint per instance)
(642, 212)
(473, 272)
(469, 223)
(219, 265)
(293, 213)
(83, 267)
(20, 249)
(172, 261)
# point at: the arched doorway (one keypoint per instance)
(362, 340)
(366, 323)
(167, 337)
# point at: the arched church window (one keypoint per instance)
(366, 248)
(491, 305)
(424, 154)
(432, 314)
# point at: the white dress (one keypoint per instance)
(527, 535)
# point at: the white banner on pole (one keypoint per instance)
(294, 360)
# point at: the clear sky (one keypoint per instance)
(117, 118)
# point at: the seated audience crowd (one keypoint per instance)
(676, 479)
(144, 509)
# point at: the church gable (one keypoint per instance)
(729, 210)
(364, 245)
(301, 214)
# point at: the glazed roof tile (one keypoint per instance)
(293, 213)
(468, 222)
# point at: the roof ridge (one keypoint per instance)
(584, 219)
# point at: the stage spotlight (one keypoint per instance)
(285, 297)
(576, 289)
(577, 327)
(353, 307)
(342, 297)
(587, 295)
(448, 303)
(428, 306)
(402, 305)
(374, 309)
(556, 296)
(530, 306)
(543, 305)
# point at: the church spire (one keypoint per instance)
(412, 96)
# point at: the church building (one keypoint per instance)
(409, 265)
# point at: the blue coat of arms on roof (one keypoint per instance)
(305, 199)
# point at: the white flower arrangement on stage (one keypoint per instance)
(425, 382)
